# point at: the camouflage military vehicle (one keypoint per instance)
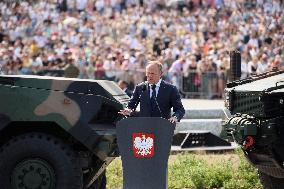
(57, 133)
(257, 123)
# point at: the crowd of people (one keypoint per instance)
(114, 39)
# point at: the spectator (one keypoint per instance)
(176, 71)
(191, 78)
(109, 67)
(71, 70)
(39, 36)
(100, 72)
(124, 86)
(253, 67)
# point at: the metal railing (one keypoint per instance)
(208, 85)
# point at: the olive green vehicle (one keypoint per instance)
(257, 123)
(57, 133)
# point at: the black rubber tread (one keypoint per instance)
(59, 155)
(270, 182)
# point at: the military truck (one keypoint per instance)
(57, 133)
(256, 105)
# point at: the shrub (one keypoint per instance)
(199, 171)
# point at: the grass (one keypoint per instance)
(200, 171)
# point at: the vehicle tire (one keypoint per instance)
(100, 183)
(37, 160)
(270, 182)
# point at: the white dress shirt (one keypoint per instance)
(157, 88)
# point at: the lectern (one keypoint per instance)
(144, 144)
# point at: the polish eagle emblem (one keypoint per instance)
(143, 145)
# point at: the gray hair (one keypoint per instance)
(157, 63)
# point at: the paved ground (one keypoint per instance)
(202, 104)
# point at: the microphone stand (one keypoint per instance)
(155, 98)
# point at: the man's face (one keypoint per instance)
(153, 74)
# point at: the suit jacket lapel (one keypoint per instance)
(161, 91)
(147, 97)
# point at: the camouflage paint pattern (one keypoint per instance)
(86, 109)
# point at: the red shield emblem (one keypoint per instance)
(143, 145)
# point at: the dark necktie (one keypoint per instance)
(153, 91)
(152, 99)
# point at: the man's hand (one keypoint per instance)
(173, 120)
(125, 112)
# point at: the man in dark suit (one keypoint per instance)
(156, 97)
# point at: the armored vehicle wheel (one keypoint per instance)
(39, 161)
(270, 182)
